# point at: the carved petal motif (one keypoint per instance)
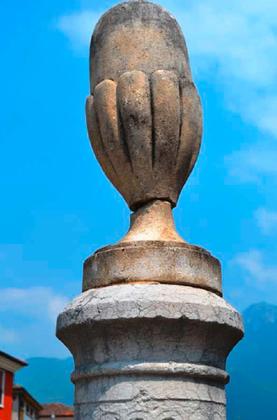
(146, 133)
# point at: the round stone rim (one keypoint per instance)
(148, 301)
(153, 261)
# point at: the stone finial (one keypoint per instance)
(144, 121)
(153, 343)
(144, 114)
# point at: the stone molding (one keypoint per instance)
(149, 349)
(152, 369)
(146, 301)
(153, 261)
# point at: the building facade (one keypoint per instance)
(25, 407)
(8, 366)
(16, 403)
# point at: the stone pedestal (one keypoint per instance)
(149, 351)
(151, 333)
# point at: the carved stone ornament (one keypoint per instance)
(144, 113)
(144, 121)
(152, 344)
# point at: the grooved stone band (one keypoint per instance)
(160, 369)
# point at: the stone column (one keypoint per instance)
(151, 332)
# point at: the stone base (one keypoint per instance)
(153, 261)
(149, 351)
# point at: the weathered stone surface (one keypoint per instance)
(152, 251)
(153, 261)
(137, 35)
(149, 350)
(147, 346)
(144, 114)
(176, 400)
(153, 222)
(145, 123)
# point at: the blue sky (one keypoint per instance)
(57, 207)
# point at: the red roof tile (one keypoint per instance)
(60, 410)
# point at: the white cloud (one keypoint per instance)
(7, 336)
(253, 264)
(266, 220)
(28, 318)
(250, 165)
(236, 42)
(262, 112)
(233, 44)
(39, 302)
(32, 294)
(78, 27)
(236, 37)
